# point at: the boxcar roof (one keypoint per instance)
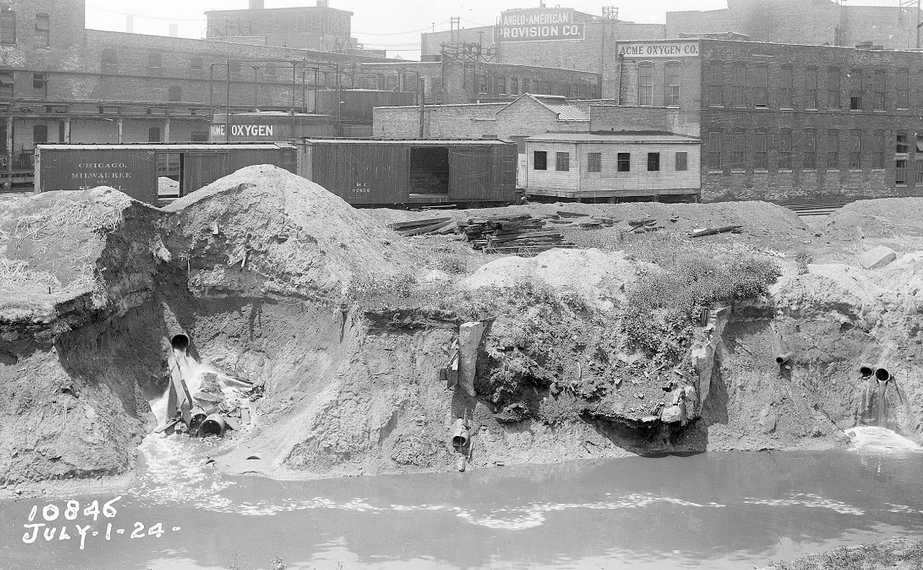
(412, 142)
(165, 146)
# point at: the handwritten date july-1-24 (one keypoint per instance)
(52, 515)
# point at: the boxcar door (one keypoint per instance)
(202, 168)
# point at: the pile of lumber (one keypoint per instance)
(425, 227)
(511, 234)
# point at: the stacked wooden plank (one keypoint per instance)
(425, 227)
(511, 234)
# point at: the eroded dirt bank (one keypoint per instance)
(635, 342)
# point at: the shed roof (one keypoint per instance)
(414, 142)
(620, 137)
(556, 104)
(165, 147)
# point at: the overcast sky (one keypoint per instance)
(394, 25)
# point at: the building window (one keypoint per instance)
(833, 150)
(42, 31)
(6, 84)
(197, 63)
(902, 94)
(785, 88)
(7, 27)
(653, 162)
(682, 162)
(855, 152)
(739, 85)
(785, 150)
(878, 90)
(919, 145)
(833, 88)
(175, 93)
(760, 86)
(671, 85)
(902, 146)
(716, 84)
(714, 150)
(540, 160)
(878, 157)
(646, 84)
(526, 85)
(40, 84)
(624, 162)
(153, 134)
(594, 162)
(514, 86)
(501, 85)
(109, 61)
(760, 151)
(562, 161)
(39, 134)
(738, 151)
(919, 174)
(810, 88)
(199, 136)
(154, 60)
(809, 157)
(856, 90)
(900, 172)
(482, 84)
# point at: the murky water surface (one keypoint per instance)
(727, 510)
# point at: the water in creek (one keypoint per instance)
(716, 510)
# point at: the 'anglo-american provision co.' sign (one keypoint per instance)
(539, 24)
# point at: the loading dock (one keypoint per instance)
(133, 168)
(408, 172)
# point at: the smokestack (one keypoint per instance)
(256, 4)
(174, 30)
(129, 23)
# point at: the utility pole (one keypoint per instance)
(455, 28)
(915, 6)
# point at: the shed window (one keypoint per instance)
(653, 162)
(39, 134)
(682, 162)
(154, 60)
(42, 30)
(175, 93)
(7, 27)
(109, 60)
(671, 85)
(40, 84)
(562, 161)
(153, 134)
(594, 162)
(6, 83)
(624, 162)
(646, 84)
(540, 160)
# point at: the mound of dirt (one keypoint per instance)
(599, 278)
(265, 230)
(894, 554)
(894, 222)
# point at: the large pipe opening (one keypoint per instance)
(784, 358)
(866, 371)
(213, 425)
(882, 375)
(460, 435)
(180, 342)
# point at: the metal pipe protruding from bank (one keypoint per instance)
(882, 375)
(866, 371)
(180, 341)
(784, 358)
(213, 425)
(460, 434)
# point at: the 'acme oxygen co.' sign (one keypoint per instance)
(659, 49)
(540, 24)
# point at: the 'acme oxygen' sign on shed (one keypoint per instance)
(540, 24)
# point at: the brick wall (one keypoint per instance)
(633, 118)
(442, 121)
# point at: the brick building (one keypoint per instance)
(788, 122)
(820, 22)
(60, 82)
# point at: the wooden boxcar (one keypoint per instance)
(405, 172)
(134, 168)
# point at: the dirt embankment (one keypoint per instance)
(639, 342)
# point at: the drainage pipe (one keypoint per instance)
(866, 371)
(460, 434)
(179, 340)
(213, 425)
(784, 358)
(882, 375)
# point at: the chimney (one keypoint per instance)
(256, 4)
(129, 23)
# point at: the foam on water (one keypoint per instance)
(810, 501)
(879, 440)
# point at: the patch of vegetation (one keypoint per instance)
(663, 304)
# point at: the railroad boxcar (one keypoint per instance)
(376, 172)
(135, 168)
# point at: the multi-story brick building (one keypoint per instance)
(818, 22)
(788, 122)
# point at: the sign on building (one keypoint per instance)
(659, 49)
(538, 24)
